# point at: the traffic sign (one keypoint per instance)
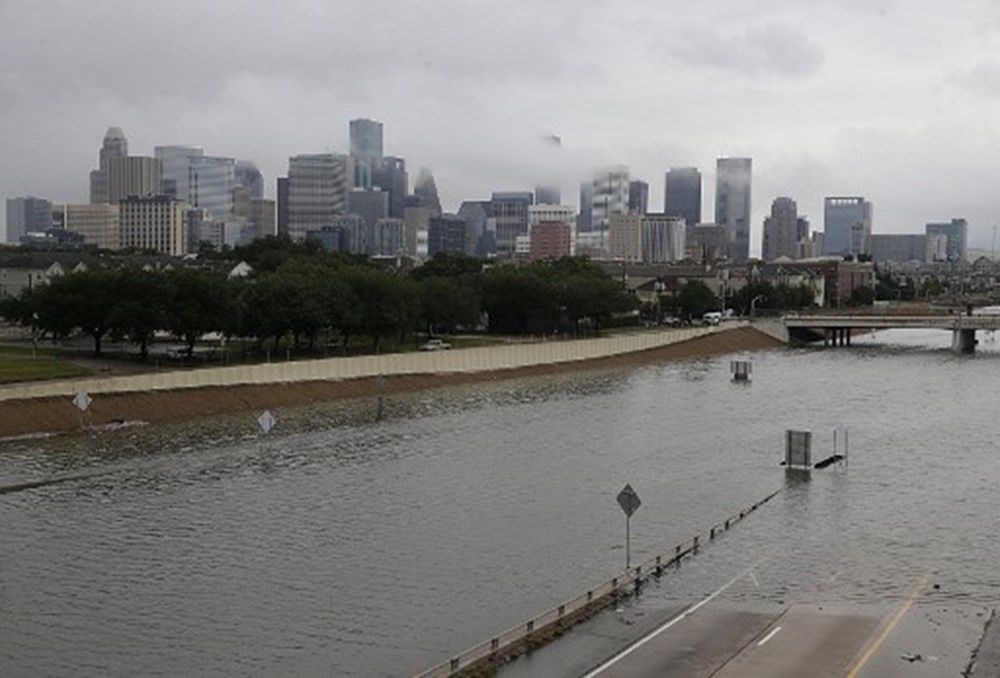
(266, 421)
(628, 500)
(82, 401)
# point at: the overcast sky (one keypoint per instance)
(897, 101)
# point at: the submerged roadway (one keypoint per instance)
(729, 639)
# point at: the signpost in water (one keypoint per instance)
(629, 501)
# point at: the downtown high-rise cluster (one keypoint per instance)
(180, 200)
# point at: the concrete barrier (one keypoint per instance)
(482, 359)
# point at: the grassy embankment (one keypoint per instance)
(18, 365)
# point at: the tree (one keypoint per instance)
(141, 308)
(80, 300)
(198, 302)
(694, 300)
(449, 265)
(862, 296)
(384, 303)
(519, 300)
(447, 304)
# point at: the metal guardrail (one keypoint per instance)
(509, 643)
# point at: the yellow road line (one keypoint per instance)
(873, 648)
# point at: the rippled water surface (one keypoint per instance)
(343, 545)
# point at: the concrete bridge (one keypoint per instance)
(836, 329)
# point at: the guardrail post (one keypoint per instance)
(590, 596)
(454, 663)
(614, 584)
(659, 566)
(530, 625)
(727, 523)
(711, 534)
(495, 644)
(694, 546)
(562, 610)
(677, 555)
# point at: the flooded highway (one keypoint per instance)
(340, 544)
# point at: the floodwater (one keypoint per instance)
(339, 544)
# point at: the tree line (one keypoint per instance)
(299, 294)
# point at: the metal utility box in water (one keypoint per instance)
(741, 369)
(798, 450)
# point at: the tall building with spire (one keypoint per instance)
(115, 146)
(425, 189)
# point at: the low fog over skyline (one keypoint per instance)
(894, 101)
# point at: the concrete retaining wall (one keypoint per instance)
(463, 360)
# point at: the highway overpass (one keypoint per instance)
(836, 329)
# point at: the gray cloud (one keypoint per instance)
(772, 48)
(828, 97)
(984, 78)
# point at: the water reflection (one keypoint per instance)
(343, 544)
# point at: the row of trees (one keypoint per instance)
(301, 295)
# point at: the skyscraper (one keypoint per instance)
(247, 174)
(281, 192)
(389, 174)
(132, 175)
(781, 231)
(638, 197)
(209, 183)
(370, 205)
(510, 211)
(115, 146)
(366, 148)
(547, 195)
(25, 215)
(847, 225)
(956, 232)
(682, 197)
(427, 191)
(732, 204)
(585, 222)
(446, 233)
(318, 186)
(610, 196)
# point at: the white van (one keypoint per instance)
(712, 318)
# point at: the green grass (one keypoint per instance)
(18, 365)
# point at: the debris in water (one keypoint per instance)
(911, 657)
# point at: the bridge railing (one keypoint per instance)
(514, 640)
(950, 321)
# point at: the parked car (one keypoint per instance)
(712, 318)
(435, 345)
(670, 321)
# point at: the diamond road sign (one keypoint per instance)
(628, 500)
(266, 421)
(82, 401)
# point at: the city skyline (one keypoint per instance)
(789, 64)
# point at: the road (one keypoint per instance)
(728, 639)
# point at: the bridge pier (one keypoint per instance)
(963, 341)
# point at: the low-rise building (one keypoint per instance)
(154, 223)
(98, 223)
(550, 240)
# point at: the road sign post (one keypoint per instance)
(266, 421)
(629, 501)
